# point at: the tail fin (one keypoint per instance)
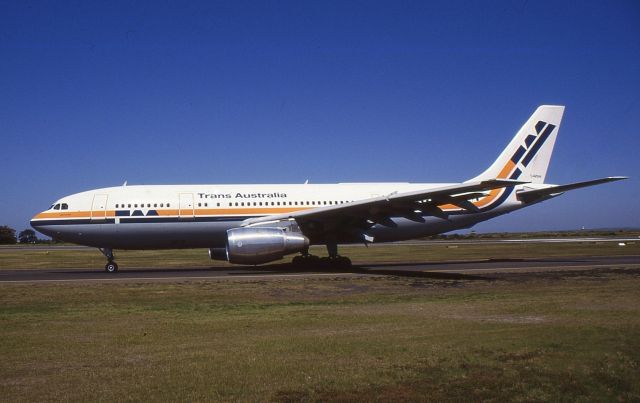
(527, 156)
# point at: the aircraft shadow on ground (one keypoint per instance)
(289, 268)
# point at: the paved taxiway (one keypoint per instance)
(444, 269)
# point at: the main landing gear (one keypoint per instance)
(333, 260)
(111, 266)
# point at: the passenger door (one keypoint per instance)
(99, 207)
(185, 210)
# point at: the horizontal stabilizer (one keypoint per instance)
(528, 196)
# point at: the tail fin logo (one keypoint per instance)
(532, 144)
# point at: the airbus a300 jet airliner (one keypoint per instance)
(255, 224)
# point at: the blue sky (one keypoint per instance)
(96, 93)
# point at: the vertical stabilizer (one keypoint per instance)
(527, 156)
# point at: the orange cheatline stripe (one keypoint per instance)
(480, 203)
(488, 199)
(75, 214)
(494, 193)
(167, 212)
(66, 214)
(174, 212)
(254, 210)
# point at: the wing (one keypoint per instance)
(534, 195)
(361, 214)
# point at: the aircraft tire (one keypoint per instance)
(111, 267)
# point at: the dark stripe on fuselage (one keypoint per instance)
(150, 220)
(72, 221)
(140, 220)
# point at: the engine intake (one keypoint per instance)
(262, 244)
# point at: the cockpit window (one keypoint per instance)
(65, 206)
(56, 207)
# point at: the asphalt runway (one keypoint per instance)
(479, 269)
(414, 242)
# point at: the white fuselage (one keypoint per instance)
(194, 216)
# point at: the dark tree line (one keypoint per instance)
(8, 236)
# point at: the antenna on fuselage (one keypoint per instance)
(306, 182)
(125, 183)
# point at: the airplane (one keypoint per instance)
(257, 224)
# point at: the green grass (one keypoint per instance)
(574, 337)
(33, 258)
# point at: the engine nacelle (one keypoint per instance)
(258, 245)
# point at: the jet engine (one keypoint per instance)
(257, 245)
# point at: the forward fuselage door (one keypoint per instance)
(185, 210)
(99, 207)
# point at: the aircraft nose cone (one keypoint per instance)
(38, 225)
(34, 221)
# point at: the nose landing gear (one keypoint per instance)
(111, 266)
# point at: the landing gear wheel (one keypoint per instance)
(111, 267)
(308, 260)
